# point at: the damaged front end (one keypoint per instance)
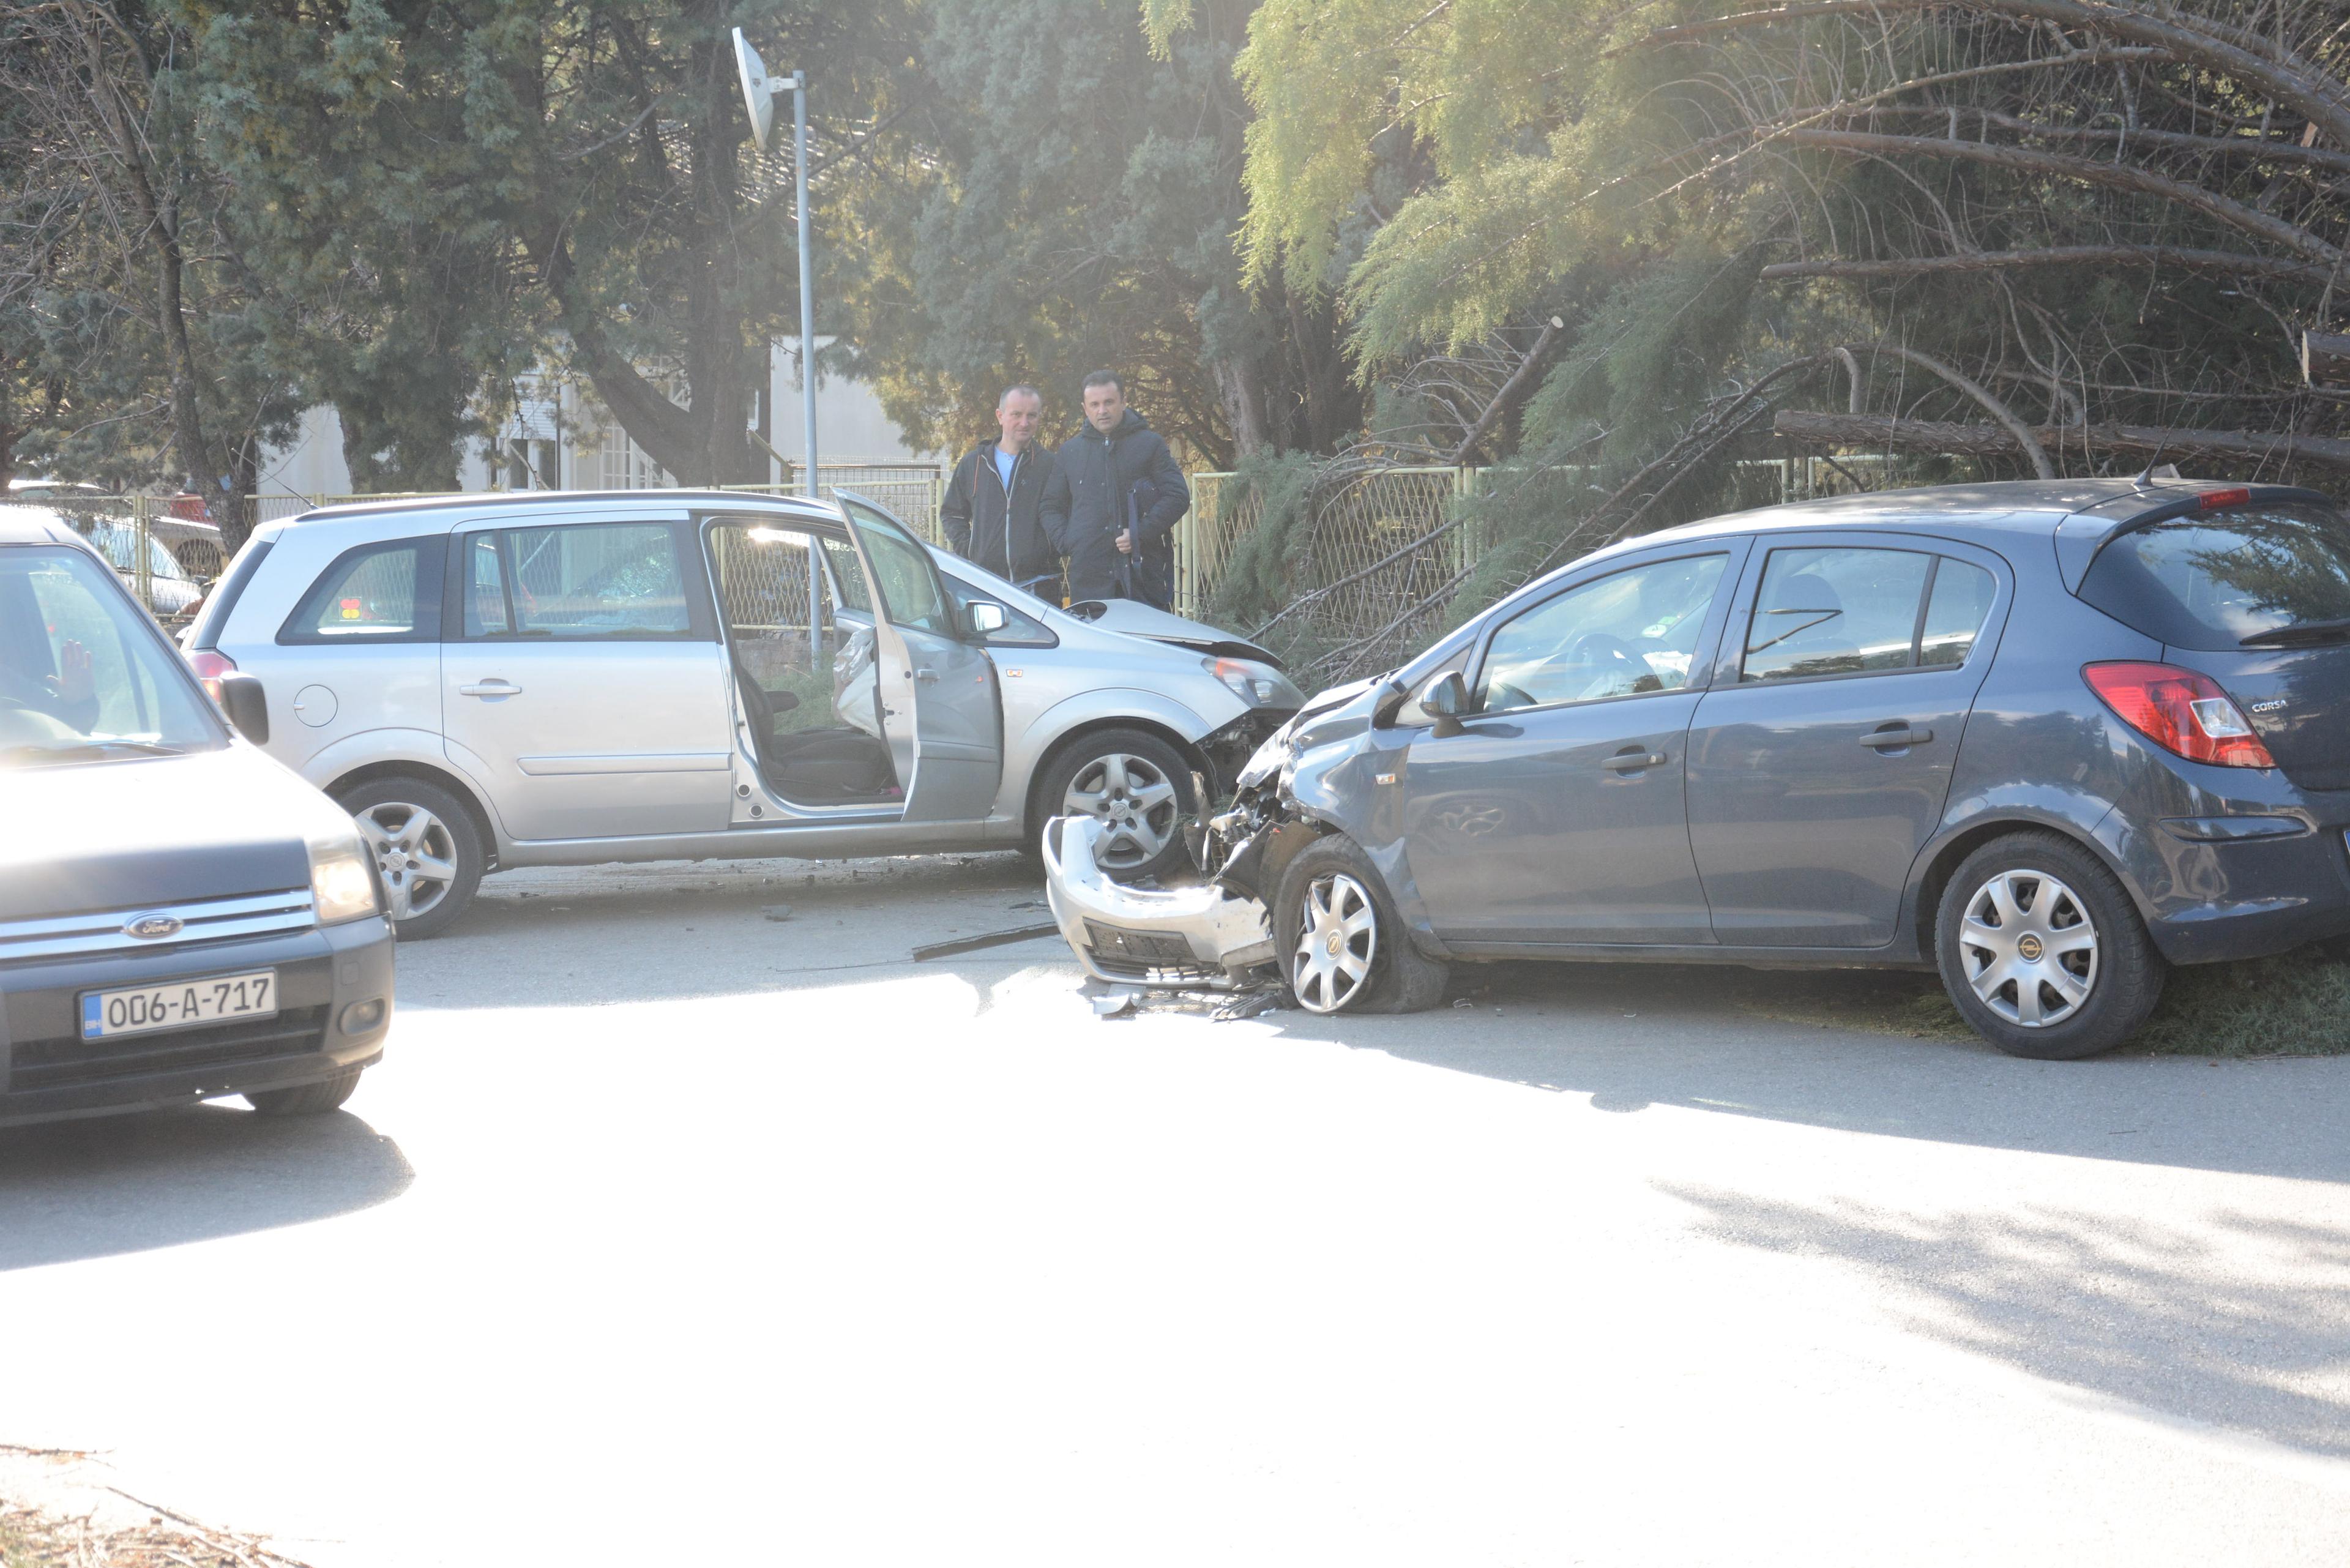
(1215, 937)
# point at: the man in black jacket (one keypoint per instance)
(1112, 505)
(992, 513)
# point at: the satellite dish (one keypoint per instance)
(758, 90)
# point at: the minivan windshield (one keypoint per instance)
(81, 677)
(2212, 580)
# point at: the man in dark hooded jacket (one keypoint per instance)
(1113, 504)
(992, 510)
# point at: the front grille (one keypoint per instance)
(75, 1063)
(1140, 947)
(106, 932)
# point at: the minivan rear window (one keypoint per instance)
(2211, 579)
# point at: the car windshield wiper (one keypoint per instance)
(89, 749)
(2300, 631)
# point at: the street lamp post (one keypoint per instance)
(759, 90)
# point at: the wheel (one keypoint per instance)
(309, 1099)
(426, 847)
(1136, 784)
(2042, 951)
(1344, 950)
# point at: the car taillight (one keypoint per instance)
(2181, 710)
(210, 667)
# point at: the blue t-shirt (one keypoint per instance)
(1003, 462)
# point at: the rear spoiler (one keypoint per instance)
(2083, 536)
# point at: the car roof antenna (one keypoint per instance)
(2147, 471)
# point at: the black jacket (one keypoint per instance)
(1004, 532)
(1104, 484)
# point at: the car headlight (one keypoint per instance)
(342, 883)
(1258, 685)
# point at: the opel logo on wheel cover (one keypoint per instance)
(2029, 946)
(154, 928)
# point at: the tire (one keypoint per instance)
(1331, 885)
(1145, 815)
(309, 1099)
(426, 848)
(2008, 940)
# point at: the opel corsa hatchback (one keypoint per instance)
(2048, 738)
(549, 678)
(180, 917)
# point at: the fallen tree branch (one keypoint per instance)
(2057, 255)
(1991, 440)
(2089, 170)
(1991, 405)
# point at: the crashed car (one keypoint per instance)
(2047, 738)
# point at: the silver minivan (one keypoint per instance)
(497, 680)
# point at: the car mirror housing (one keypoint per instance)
(1446, 700)
(987, 616)
(247, 706)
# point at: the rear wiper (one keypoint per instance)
(2300, 631)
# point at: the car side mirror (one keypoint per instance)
(247, 706)
(987, 616)
(1446, 700)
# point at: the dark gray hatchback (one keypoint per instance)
(2046, 737)
(180, 917)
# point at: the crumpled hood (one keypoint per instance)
(116, 834)
(1139, 619)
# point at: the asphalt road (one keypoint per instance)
(671, 1233)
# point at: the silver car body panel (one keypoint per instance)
(692, 791)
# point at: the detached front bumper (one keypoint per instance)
(1177, 939)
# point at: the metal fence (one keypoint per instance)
(1374, 519)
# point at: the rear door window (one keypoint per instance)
(2210, 580)
(578, 582)
(1836, 612)
(388, 592)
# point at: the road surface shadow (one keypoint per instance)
(2233, 1325)
(1723, 1039)
(92, 1188)
(666, 931)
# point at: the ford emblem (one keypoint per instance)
(154, 928)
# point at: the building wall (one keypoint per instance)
(560, 440)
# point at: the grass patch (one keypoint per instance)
(2295, 1004)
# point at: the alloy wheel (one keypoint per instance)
(2030, 947)
(1134, 799)
(415, 853)
(1337, 939)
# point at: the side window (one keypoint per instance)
(909, 584)
(848, 576)
(1836, 612)
(487, 613)
(1956, 607)
(1622, 636)
(375, 593)
(587, 581)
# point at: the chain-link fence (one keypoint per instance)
(1386, 546)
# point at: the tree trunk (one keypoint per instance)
(1242, 393)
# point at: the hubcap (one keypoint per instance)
(1339, 940)
(2030, 947)
(414, 852)
(1134, 799)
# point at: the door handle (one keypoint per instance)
(1887, 739)
(1633, 761)
(924, 673)
(492, 687)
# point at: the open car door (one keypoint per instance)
(940, 709)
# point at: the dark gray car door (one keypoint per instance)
(1820, 760)
(1553, 814)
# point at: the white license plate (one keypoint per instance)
(181, 1004)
